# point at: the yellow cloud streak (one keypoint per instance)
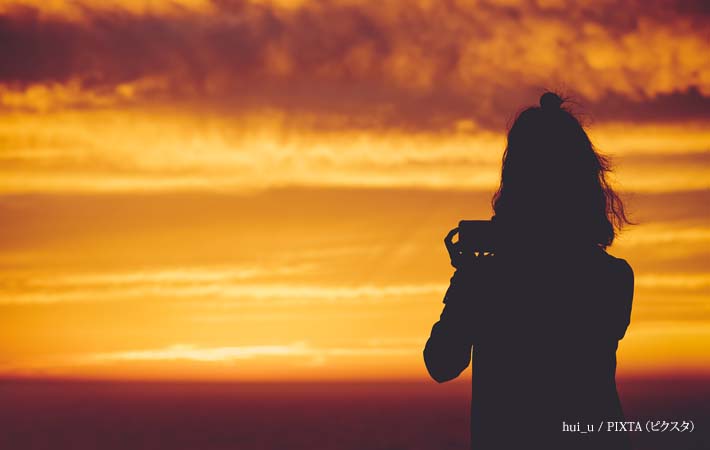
(676, 348)
(132, 151)
(225, 354)
(226, 295)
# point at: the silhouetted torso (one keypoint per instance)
(544, 326)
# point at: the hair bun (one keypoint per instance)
(550, 100)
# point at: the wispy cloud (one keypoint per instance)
(675, 281)
(299, 350)
(208, 288)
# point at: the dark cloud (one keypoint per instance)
(376, 63)
(671, 107)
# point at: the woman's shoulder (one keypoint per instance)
(619, 267)
(617, 263)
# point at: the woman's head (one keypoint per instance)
(553, 179)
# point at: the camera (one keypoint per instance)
(478, 236)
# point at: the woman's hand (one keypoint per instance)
(459, 258)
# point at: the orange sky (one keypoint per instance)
(259, 189)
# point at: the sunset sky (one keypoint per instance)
(255, 189)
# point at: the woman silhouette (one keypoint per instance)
(544, 313)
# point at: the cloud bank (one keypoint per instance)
(362, 62)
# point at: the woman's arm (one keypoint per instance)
(448, 350)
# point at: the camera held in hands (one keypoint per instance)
(479, 236)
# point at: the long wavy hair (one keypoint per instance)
(553, 179)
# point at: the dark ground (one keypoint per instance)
(75, 415)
